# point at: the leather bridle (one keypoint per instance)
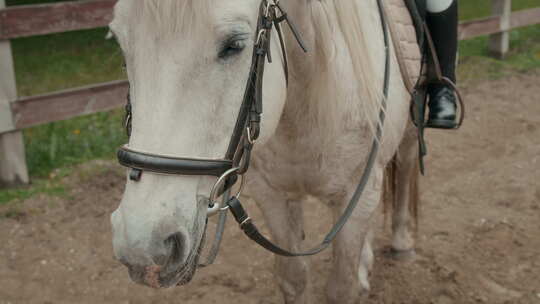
(245, 133)
(247, 127)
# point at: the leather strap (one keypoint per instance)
(172, 165)
(218, 237)
(440, 77)
(252, 106)
(238, 153)
(249, 228)
(420, 96)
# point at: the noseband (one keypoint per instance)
(245, 133)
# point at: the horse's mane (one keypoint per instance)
(337, 24)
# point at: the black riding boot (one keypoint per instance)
(442, 98)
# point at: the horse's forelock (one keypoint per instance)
(176, 15)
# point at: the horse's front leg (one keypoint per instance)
(284, 217)
(406, 196)
(352, 251)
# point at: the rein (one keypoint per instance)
(246, 131)
(249, 228)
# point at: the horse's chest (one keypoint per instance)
(311, 166)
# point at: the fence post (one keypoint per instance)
(499, 44)
(13, 168)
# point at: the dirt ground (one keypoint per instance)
(479, 240)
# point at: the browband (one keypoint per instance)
(172, 165)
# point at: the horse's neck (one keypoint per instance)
(324, 97)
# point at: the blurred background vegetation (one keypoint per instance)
(54, 62)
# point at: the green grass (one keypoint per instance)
(60, 61)
(48, 63)
(475, 62)
(53, 62)
(472, 9)
(524, 55)
(52, 186)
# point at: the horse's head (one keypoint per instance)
(188, 63)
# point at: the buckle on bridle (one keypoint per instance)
(214, 205)
(259, 36)
(251, 137)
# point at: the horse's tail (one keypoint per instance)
(395, 175)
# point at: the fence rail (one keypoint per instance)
(37, 110)
(32, 20)
(495, 24)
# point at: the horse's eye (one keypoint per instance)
(231, 48)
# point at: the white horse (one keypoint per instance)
(188, 63)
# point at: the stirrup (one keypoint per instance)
(441, 124)
(449, 124)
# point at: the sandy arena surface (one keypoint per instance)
(479, 240)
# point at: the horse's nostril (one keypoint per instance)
(175, 245)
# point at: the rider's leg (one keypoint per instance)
(442, 20)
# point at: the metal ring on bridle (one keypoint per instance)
(238, 193)
(250, 136)
(213, 198)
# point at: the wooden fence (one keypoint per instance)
(30, 20)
